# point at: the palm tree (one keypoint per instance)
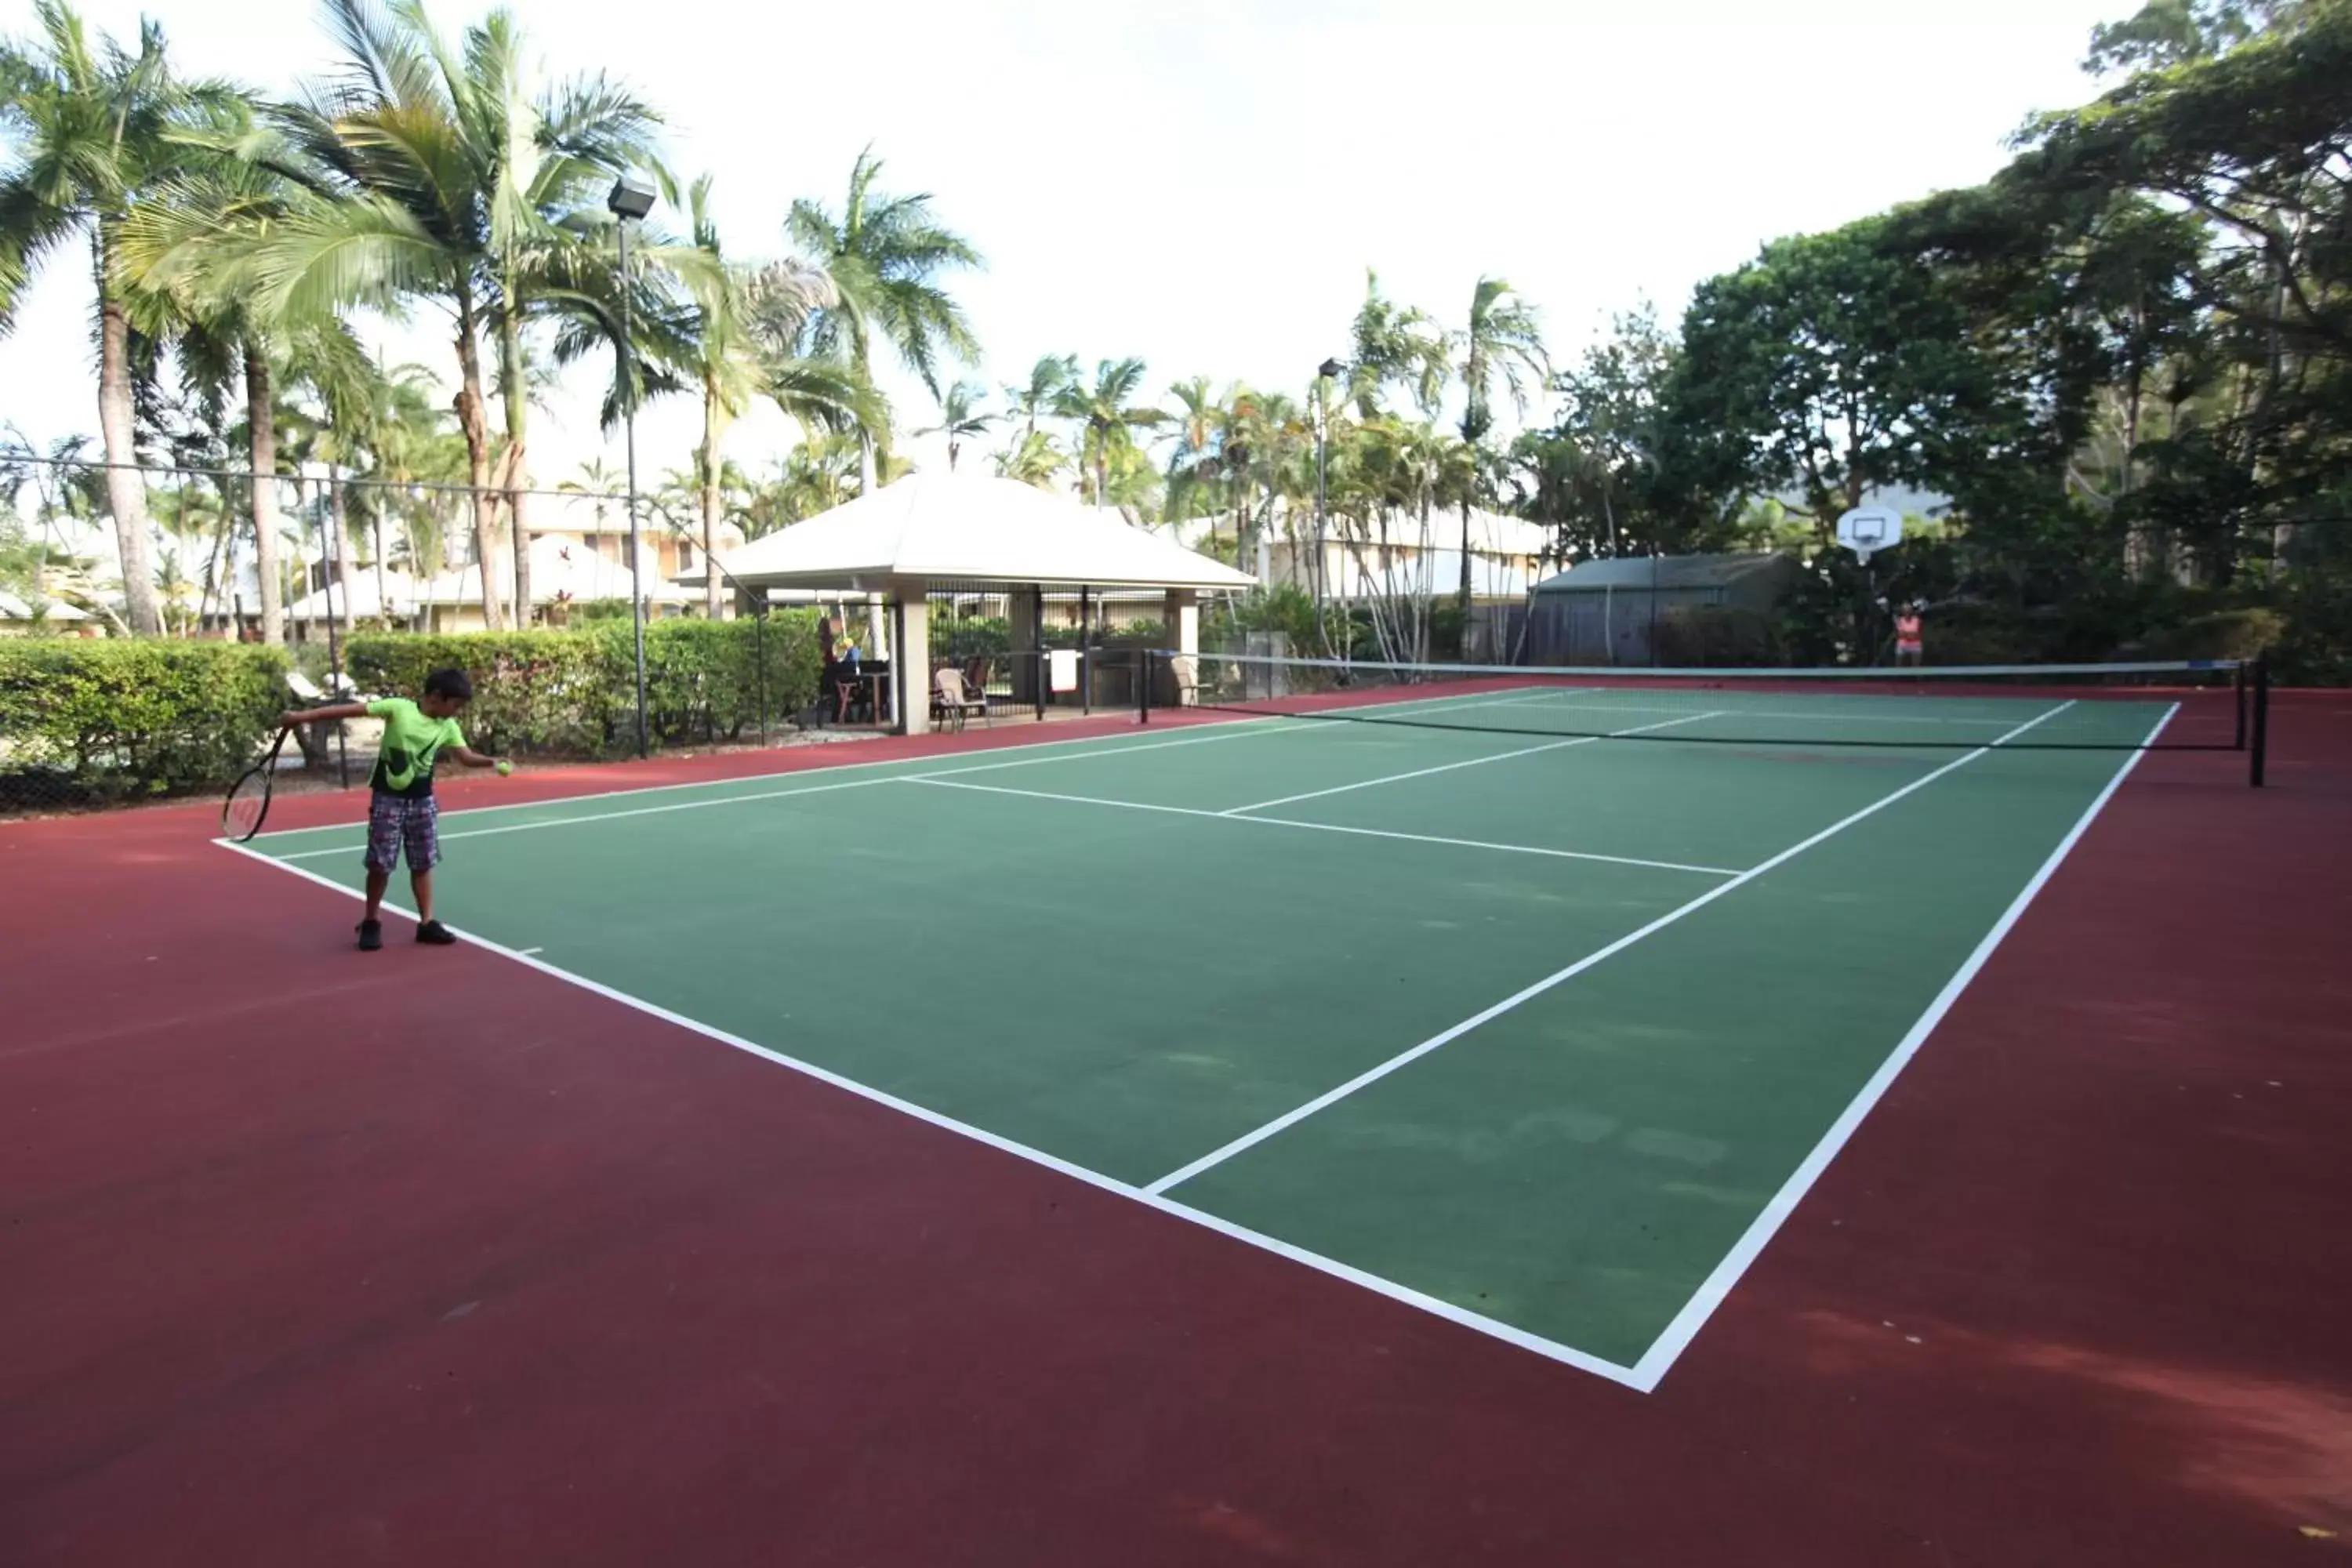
(1108, 421)
(1199, 461)
(1269, 438)
(960, 418)
(454, 184)
(1395, 345)
(741, 337)
(1047, 378)
(1035, 461)
(817, 475)
(189, 247)
(599, 482)
(1502, 338)
(884, 255)
(91, 132)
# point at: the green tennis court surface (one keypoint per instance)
(1545, 1035)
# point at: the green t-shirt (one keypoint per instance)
(412, 742)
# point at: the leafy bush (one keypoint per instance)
(86, 721)
(574, 692)
(703, 678)
(969, 636)
(1720, 636)
(533, 692)
(2227, 633)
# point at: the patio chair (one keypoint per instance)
(1184, 674)
(951, 701)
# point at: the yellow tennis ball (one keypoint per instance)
(505, 769)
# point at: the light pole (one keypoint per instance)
(629, 203)
(1325, 374)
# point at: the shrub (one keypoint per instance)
(89, 721)
(1720, 636)
(574, 692)
(533, 692)
(2229, 634)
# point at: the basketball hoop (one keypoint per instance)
(1866, 530)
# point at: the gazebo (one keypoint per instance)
(933, 534)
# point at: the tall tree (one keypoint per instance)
(1501, 340)
(1048, 379)
(961, 419)
(91, 132)
(1107, 418)
(1395, 347)
(191, 244)
(886, 257)
(726, 357)
(453, 183)
(1036, 459)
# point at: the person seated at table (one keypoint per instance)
(833, 681)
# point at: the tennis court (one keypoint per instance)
(1496, 1003)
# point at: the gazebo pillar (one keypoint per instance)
(910, 654)
(1022, 607)
(1180, 634)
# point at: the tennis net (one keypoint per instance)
(2203, 705)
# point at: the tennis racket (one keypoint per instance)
(248, 798)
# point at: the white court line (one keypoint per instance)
(1471, 763)
(1568, 1355)
(1823, 715)
(939, 783)
(1676, 1336)
(1263, 726)
(604, 815)
(1251, 1139)
(1231, 730)
(1246, 721)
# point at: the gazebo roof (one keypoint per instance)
(947, 528)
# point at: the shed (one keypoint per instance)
(1608, 611)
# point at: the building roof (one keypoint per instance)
(968, 529)
(13, 608)
(564, 571)
(1642, 572)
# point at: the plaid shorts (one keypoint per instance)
(396, 823)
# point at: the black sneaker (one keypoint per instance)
(371, 935)
(433, 933)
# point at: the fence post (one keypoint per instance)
(2261, 745)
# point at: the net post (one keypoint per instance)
(2259, 753)
(1143, 685)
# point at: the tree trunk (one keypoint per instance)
(126, 488)
(1463, 594)
(340, 522)
(709, 498)
(261, 430)
(472, 420)
(383, 600)
(511, 370)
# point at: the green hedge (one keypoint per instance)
(82, 721)
(573, 693)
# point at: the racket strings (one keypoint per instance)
(247, 803)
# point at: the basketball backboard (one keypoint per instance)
(1869, 529)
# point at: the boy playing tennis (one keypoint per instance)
(403, 814)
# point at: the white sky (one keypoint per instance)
(1202, 184)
